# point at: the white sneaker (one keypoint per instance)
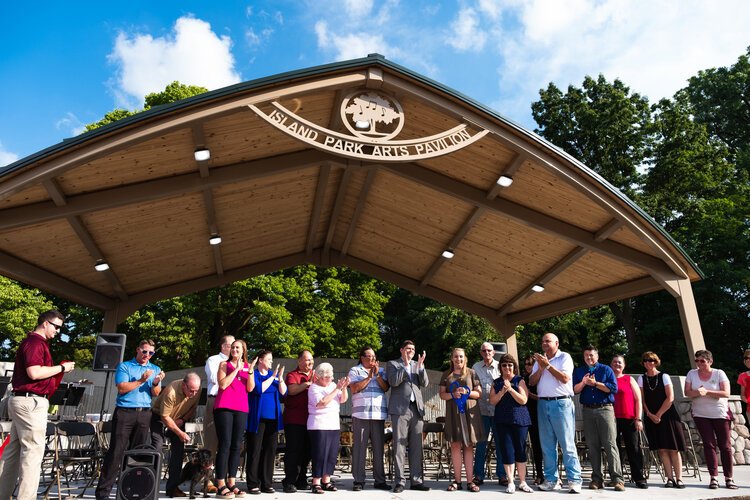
(574, 487)
(525, 487)
(511, 488)
(548, 486)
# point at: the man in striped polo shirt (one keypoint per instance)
(369, 411)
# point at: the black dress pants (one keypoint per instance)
(296, 455)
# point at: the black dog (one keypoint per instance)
(198, 470)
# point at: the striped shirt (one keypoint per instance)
(370, 403)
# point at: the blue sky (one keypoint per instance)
(66, 64)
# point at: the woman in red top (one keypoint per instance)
(744, 381)
(628, 411)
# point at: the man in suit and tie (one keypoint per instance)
(406, 408)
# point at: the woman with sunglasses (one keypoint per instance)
(235, 380)
(460, 389)
(709, 389)
(662, 422)
(536, 444)
(509, 395)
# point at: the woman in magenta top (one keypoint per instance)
(236, 380)
(628, 412)
(744, 381)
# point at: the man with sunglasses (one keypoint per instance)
(175, 405)
(33, 382)
(138, 381)
(487, 370)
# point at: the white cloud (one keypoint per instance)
(192, 54)
(6, 157)
(71, 125)
(350, 45)
(467, 34)
(358, 8)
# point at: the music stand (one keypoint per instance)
(67, 395)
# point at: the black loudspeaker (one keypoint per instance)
(139, 475)
(110, 348)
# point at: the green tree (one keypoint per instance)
(20, 306)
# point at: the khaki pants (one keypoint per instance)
(22, 458)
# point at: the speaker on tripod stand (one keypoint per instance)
(140, 474)
(109, 351)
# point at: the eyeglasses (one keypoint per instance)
(56, 327)
(488, 350)
(649, 360)
(747, 357)
(701, 360)
(147, 353)
(506, 365)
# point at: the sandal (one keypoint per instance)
(224, 492)
(730, 484)
(316, 488)
(454, 486)
(670, 483)
(474, 488)
(679, 484)
(329, 487)
(713, 484)
(525, 487)
(238, 493)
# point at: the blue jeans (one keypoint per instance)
(480, 450)
(557, 424)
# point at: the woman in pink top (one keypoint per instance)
(628, 412)
(235, 378)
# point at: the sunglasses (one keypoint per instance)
(487, 350)
(147, 353)
(649, 360)
(747, 357)
(56, 327)
(507, 365)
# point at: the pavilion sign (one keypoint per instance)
(373, 119)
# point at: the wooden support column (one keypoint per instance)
(113, 317)
(691, 325)
(507, 330)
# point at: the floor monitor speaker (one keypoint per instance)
(139, 475)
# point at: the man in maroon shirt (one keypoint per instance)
(297, 452)
(33, 382)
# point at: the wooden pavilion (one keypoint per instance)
(363, 164)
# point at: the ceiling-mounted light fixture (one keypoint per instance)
(448, 254)
(505, 181)
(362, 125)
(215, 239)
(202, 154)
(537, 288)
(101, 265)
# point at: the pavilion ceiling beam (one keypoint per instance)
(526, 144)
(556, 269)
(336, 212)
(411, 284)
(160, 125)
(30, 274)
(526, 216)
(362, 199)
(199, 140)
(317, 208)
(130, 194)
(591, 299)
(75, 222)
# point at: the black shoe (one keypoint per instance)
(289, 488)
(478, 482)
(303, 486)
(642, 485)
(358, 487)
(381, 486)
(399, 488)
(419, 487)
(503, 481)
(268, 490)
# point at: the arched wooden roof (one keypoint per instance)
(133, 195)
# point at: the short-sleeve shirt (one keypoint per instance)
(486, 375)
(33, 351)
(744, 381)
(708, 407)
(370, 403)
(295, 407)
(549, 386)
(172, 402)
(130, 371)
(325, 418)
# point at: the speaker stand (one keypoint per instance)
(104, 397)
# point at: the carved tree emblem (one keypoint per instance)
(371, 115)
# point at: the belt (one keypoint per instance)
(602, 405)
(142, 408)
(29, 394)
(211, 396)
(554, 398)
